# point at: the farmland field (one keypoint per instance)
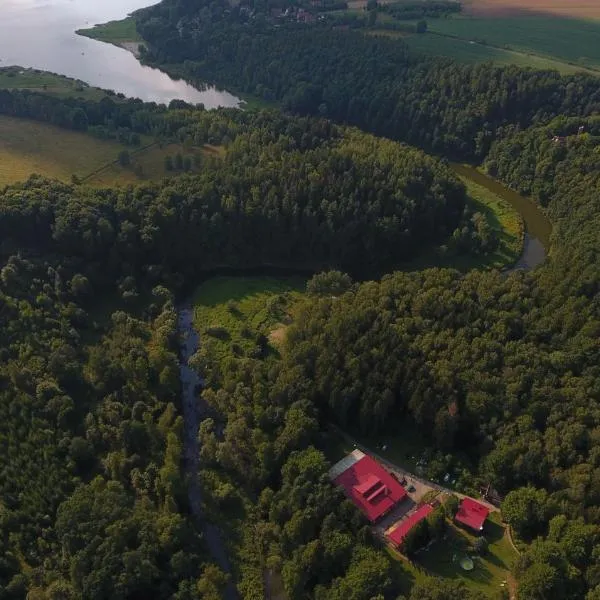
(574, 9)
(148, 163)
(566, 40)
(28, 147)
(467, 51)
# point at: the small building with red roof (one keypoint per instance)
(472, 514)
(397, 535)
(368, 484)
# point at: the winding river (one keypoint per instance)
(537, 225)
(41, 34)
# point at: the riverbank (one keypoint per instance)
(195, 411)
(121, 33)
(15, 77)
(537, 227)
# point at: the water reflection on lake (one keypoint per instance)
(41, 34)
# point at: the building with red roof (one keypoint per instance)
(472, 514)
(374, 491)
(396, 536)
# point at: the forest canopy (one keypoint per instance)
(497, 371)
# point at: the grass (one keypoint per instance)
(572, 41)
(148, 164)
(230, 313)
(504, 220)
(468, 51)
(18, 78)
(502, 217)
(28, 147)
(114, 32)
(441, 559)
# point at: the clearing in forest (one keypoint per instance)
(236, 315)
(28, 147)
(491, 572)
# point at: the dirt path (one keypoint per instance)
(194, 411)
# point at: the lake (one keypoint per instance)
(41, 34)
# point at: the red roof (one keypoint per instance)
(371, 487)
(472, 514)
(397, 535)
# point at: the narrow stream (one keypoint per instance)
(194, 411)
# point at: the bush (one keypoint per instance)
(451, 505)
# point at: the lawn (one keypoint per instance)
(114, 32)
(28, 147)
(18, 78)
(574, 41)
(232, 313)
(441, 559)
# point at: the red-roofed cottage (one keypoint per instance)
(397, 535)
(472, 514)
(370, 487)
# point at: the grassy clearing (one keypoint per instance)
(114, 32)
(18, 78)
(28, 147)
(235, 315)
(574, 41)
(442, 558)
(503, 219)
(148, 164)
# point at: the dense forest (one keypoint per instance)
(92, 488)
(372, 82)
(499, 372)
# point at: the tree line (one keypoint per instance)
(373, 82)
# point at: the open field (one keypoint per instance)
(18, 78)
(230, 313)
(468, 51)
(28, 147)
(572, 41)
(148, 163)
(575, 9)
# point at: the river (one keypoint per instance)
(194, 411)
(537, 225)
(41, 34)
